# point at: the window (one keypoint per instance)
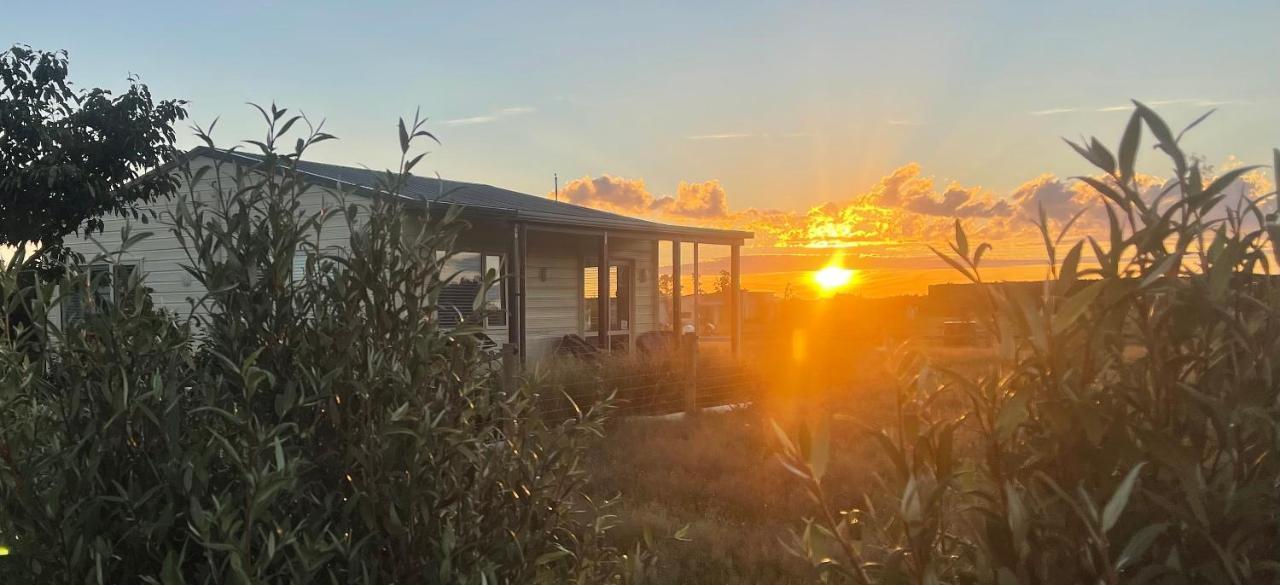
(299, 268)
(461, 296)
(620, 295)
(101, 293)
(495, 301)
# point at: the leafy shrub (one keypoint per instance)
(297, 428)
(1128, 429)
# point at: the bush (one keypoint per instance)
(297, 428)
(1128, 429)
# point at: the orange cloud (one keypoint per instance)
(906, 188)
(706, 200)
(700, 201)
(609, 193)
(904, 207)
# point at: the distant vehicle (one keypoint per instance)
(960, 333)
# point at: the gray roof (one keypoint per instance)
(483, 199)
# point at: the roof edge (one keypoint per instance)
(235, 156)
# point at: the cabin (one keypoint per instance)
(569, 270)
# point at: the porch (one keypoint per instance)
(601, 284)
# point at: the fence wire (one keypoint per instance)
(663, 388)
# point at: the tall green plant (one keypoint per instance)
(1129, 430)
(294, 428)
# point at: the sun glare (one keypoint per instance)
(833, 277)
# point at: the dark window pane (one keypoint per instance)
(458, 299)
(494, 299)
(620, 294)
(100, 284)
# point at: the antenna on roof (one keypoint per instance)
(557, 178)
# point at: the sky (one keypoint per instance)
(860, 125)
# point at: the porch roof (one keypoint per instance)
(482, 200)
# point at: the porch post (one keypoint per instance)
(735, 298)
(602, 280)
(522, 280)
(675, 291)
(697, 289)
(513, 285)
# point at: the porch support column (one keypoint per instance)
(522, 281)
(735, 299)
(602, 281)
(514, 279)
(676, 325)
(697, 290)
(511, 278)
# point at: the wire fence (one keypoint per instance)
(646, 387)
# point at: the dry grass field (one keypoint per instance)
(718, 476)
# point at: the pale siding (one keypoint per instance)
(556, 304)
(640, 252)
(159, 258)
(553, 291)
(554, 266)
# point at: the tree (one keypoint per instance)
(665, 285)
(723, 281)
(69, 157)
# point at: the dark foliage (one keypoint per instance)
(68, 157)
(300, 426)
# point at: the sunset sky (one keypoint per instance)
(860, 125)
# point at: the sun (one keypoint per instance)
(832, 278)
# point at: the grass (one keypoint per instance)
(641, 385)
(718, 476)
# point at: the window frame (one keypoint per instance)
(499, 288)
(585, 303)
(89, 290)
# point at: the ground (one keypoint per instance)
(719, 476)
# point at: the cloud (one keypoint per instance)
(490, 117)
(725, 136)
(742, 135)
(698, 201)
(609, 193)
(706, 200)
(906, 188)
(1052, 111)
(1198, 102)
(904, 208)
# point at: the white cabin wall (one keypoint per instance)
(159, 258)
(553, 290)
(554, 286)
(553, 269)
(640, 252)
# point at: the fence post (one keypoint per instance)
(510, 366)
(691, 369)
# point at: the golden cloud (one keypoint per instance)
(903, 207)
(706, 200)
(609, 193)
